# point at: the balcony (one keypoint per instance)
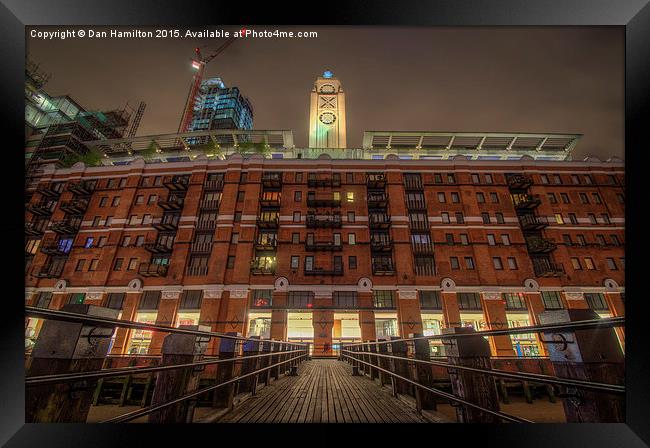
(176, 183)
(35, 228)
(336, 270)
(75, 206)
(268, 222)
(50, 271)
(270, 202)
(526, 201)
(323, 246)
(416, 204)
(272, 180)
(171, 203)
(56, 248)
(418, 225)
(323, 221)
(209, 205)
(413, 183)
(157, 247)
(544, 268)
(537, 245)
(206, 224)
(49, 190)
(261, 266)
(167, 223)
(375, 180)
(379, 221)
(377, 200)
(213, 185)
(66, 226)
(324, 182)
(519, 182)
(41, 208)
(381, 268)
(197, 271)
(153, 270)
(323, 201)
(203, 247)
(82, 187)
(381, 244)
(532, 222)
(266, 243)
(422, 248)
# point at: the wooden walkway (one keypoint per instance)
(323, 392)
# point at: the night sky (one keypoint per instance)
(565, 80)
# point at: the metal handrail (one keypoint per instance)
(581, 325)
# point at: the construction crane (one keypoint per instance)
(198, 64)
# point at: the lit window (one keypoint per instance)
(295, 262)
(89, 242)
(589, 263)
(576, 264)
(350, 196)
(351, 238)
(559, 219)
(505, 239)
(497, 263)
(512, 263)
(491, 240)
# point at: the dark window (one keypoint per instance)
(77, 298)
(596, 301)
(352, 262)
(230, 262)
(262, 298)
(191, 300)
(345, 299)
(297, 196)
(494, 198)
(430, 300)
(497, 263)
(44, 299)
(300, 299)
(512, 263)
(295, 238)
(552, 300)
(450, 238)
(80, 265)
(565, 198)
(237, 216)
(460, 219)
(514, 300)
(469, 301)
(115, 300)
(499, 217)
(295, 262)
(349, 178)
(453, 261)
(150, 300)
(455, 197)
(384, 298)
(118, 264)
(486, 218)
(469, 262)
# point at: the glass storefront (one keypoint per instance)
(432, 325)
(523, 344)
(140, 339)
(386, 325)
(259, 324)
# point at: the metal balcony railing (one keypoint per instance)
(50, 271)
(379, 221)
(153, 269)
(35, 228)
(375, 180)
(171, 203)
(50, 190)
(75, 206)
(262, 267)
(266, 243)
(413, 183)
(383, 268)
(167, 223)
(209, 204)
(422, 248)
(316, 221)
(335, 270)
(381, 244)
(66, 226)
(82, 188)
(56, 248)
(540, 245)
(157, 247)
(213, 185)
(272, 180)
(323, 201)
(332, 181)
(176, 183)
(547, 269)
(270, 202)
(197, 271)
(519, 182)
(526, 201)
(41, 208)
(203, 247)
(416, 204)
(323, 246)
(532, 222)
(418, 225)
(268, 222)
(377, 200)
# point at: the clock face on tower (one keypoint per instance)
(327, 118)
(327, 88)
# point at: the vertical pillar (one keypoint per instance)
(495, 315)
(323, 322)
(592, 355)
(473, 387)
(366, 316)
(228, 349)
(617, 308)
(167, 309)
(129, 308)
(209, 316)
(384, 363)
(423, 374)
(450, 309)
(237, 304)
(575, 300)
(276, 358)
(408, 312)
(279, 317)
(251, 348)
(374, 373)
(65, 347)
(535, 308)
(400, 366)
(174, 383)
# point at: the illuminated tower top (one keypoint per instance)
(327, 126)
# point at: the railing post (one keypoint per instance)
(265, 376)
(275, 371)
(477, 388)
(365, 367)
(384, 363)
(401, 366)
(590, 355)
(228, 349)
(251, 348)
(64, 347)
(372, 348)
(424, 400)
(174, 383)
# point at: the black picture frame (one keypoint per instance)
(633, 15)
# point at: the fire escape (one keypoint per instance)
(268, 220)
(539, 248)
(379, 222)
(421, 244)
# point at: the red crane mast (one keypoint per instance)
(199, 65)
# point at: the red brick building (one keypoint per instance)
(330, 249)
